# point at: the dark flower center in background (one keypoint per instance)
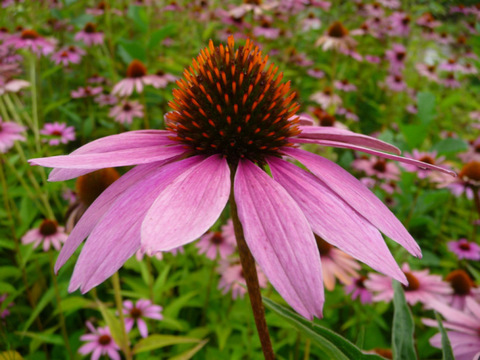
(397, 78)
(135, 313)
(323, 247)
(413, 283)
(360, 282)
(380, 165)
(400, 55)
(160, 73)
(90, 28)
(127, 107)
(470, 171)
(229, 104)
(136, 69)
(48, 227)
(431, 68)
(104, 340)
(217, 238)
(406, 20)
(427, 159)
(337, 30)
(91, 185)
(29, 35)
(460, 281)
(464, 246)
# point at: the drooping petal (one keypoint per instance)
(334, 220)
(280, 239)
(358, 196)
(126, 157)
(402, 159)
(187, 207)
(99, 207)
(116, 236)
(345, 136)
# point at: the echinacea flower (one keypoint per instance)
(463, 329)
(336, 38)
(232, 279)
(463, 287)
(31, 40)
(99, 342)
(136, 79)
(395, 82)
(377, 167)
(357, 290)
(89, 35)
(430, 158)
(85, 92)
(5, 312)
(126, 111)
(9, 133)
(465, 249)
(135, 312)
(422, 287)
(232, 117)
(58, 133)
(68, 55)
(218, 243)
(48, 234)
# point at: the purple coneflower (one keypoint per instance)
(87, 91)
(395, 82)
(451, 65)
(9, 133)
(345, 85)
(99, 342)
(232, 117)
(326, 98)
(135, 313)
(429, 71)
(124, 112)
(358, 290)
(463, 329)
(377, 167)
(396, 57)
(58, 133)
(465, 249)
(463, 287)
(48, 234)
(5, 312)
(31, 40)
(89, 35)
(399, 24)
(422, 287)
(106, 99)
(336, 38)
(430, 158)
(232, 279)
(348, 113)
(316, 73)
(136, 79)
(450, 81)
(68, 55)
(218, 243)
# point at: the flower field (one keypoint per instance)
(276, 179)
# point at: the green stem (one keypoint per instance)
(3, 111)
(251, 278)
(33, 85)
(12, 109)
(118, 301)
(146, 122)
(58, 297)
(21, 107)
(306, 355)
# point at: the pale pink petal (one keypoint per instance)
(116, 237)
(142, 327)
(402, 159)
(98, 208)
(129, 322)
(187, 207)
(358, 196)
(97, 353)
(334, 220)
(345, 136)
(280, 239)
(128, 157)
(113, 354)
(88, 347)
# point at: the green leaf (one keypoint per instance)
(402, 334)
(139, 16)
(446, 347)
(10, 355)
(160, 34)
(112, 322)
(46, 298)
(75, 303)
(331, 344)
(44, 337)
(426, 107)
(130, 50)
(189, 353)
(158, 341)
(414, 134)
(450, 145)
(53, 105)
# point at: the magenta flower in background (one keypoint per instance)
(87, 91)
(58, 133)
(345, 85)
(377, 167)
(186, 174)
(326, 98)
(357, 290)
(48, 234)
(9, 133)
(429, 71)
(396, 57)
(395, 82)
(5, 312)
(422, 287)
(106, 99)
(399, 24)
(232, 279)
(463, 288)
(463, 329)
(126, 111)
(218, 243)
(135, 312)
(450, 81)
(89, 35)
(68, 55)
(31, 40)
(430, 158)
(159, 255)
(316, 73)
(464, 249)
(99, 342)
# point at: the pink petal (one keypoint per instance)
(187, 207)
(142, 327)
(127, 157)
(116, 237)
(280, 239)
(98, 208)
(358, 196)
(334, 220)
(345, 136)
(402, 159)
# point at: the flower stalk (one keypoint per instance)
(118, 301)
(251, 278)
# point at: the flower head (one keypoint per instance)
(465, 249)
(358, 290)
(232, 116)
(58, 133)
(336, 38)
(89, 35)
(9, 133)
(135, 312)
(221, 243)
(463, 287)
(31, 40)
(48, 233)
(126, 111)
(232, 279)
(99, 342)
